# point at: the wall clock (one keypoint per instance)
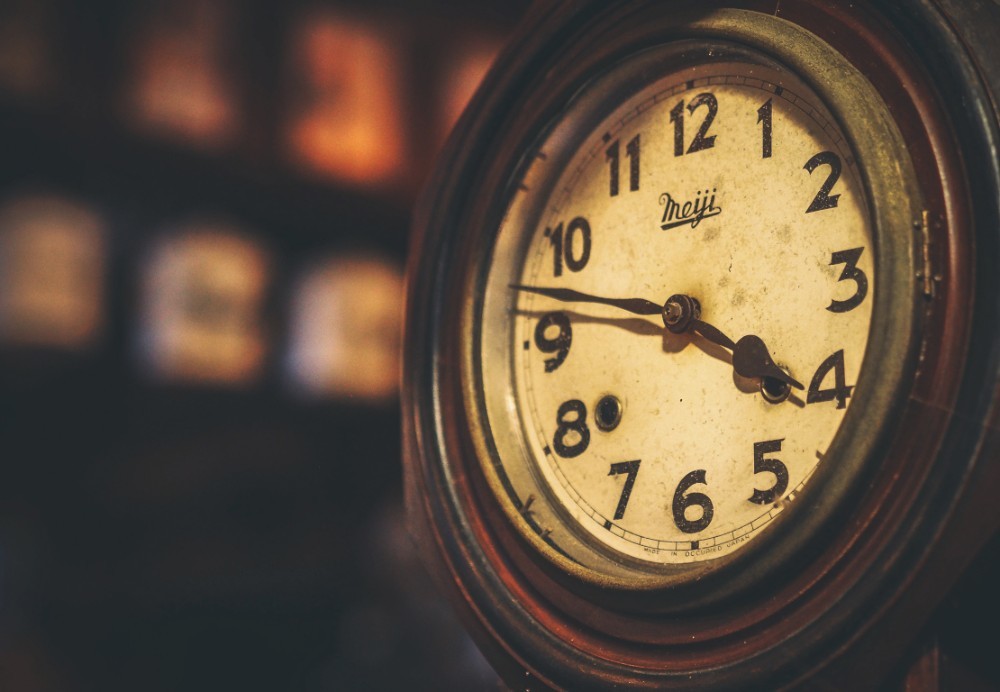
(702, 340)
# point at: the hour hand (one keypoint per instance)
(637, 306)
(751, 359)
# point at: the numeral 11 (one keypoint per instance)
(632, 151)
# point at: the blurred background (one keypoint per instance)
(204, 216)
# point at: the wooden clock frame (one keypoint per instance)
(846, 612)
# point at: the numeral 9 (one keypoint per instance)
(559, 344)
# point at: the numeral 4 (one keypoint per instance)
(840, 391)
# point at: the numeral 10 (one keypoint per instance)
(564, 245)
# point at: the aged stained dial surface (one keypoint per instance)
(674, 321)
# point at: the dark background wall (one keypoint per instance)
(204, 210)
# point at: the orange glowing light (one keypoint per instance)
(347, 122)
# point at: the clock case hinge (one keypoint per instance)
(926, 274)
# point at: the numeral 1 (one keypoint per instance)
(677, 118)
(612, 154)
(632, 151)
(764, 119)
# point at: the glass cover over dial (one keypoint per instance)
(675, 318)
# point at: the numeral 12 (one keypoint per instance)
(700, 141)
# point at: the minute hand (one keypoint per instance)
(713, 334)
(637, 306)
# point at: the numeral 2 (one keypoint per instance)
(823, 200)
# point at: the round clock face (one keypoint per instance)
(676, 312)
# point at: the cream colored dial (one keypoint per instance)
(730, 185)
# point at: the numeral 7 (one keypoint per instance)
(632, 469)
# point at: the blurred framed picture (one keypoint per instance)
(201, 312)
(345, 329)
